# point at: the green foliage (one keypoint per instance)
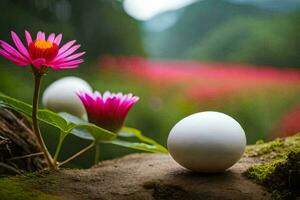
(259, 112)
(145, 144)
(68, 123)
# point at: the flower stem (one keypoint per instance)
(77, 154)
(97, 153)
(36, 129)
(58, 148)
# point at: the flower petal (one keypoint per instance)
(107, 111)
(28, 37)
(40, 36)
(65, 47)
(13, 59)
(74, 56)
(73, 62)
(7, 47)
(65, 67)
(19, 44)
(51, 37)
(68, 52)
(58, 38)
(106, 94)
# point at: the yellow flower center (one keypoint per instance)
(43, 44)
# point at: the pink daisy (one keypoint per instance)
(42, 52)
(108, 110)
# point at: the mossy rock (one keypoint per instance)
(24, 188)
(16, 190)
(279, 168)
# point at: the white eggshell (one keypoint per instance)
(61, 96)
(207, 142)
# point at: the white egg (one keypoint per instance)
(61, 96)
(207, 142)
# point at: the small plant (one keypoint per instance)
(107, 111)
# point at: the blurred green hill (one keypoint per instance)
(218, 30)
(271, 41)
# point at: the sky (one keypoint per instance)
(146, 9)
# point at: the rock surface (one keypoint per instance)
(153, 177)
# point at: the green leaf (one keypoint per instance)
(132, 132)
(44, 115)
(86, 130)
(97, 132)
(83, 134)
(53, 119)
(17, 105)
(137, 146)
(71, 118)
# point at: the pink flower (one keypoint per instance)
(108, 110)
(42, 52)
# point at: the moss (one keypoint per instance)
(259, 142)
(23, 188)
(279, 170)
(261, 172)
(262, 148)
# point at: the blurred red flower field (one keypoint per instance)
(211, 84)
